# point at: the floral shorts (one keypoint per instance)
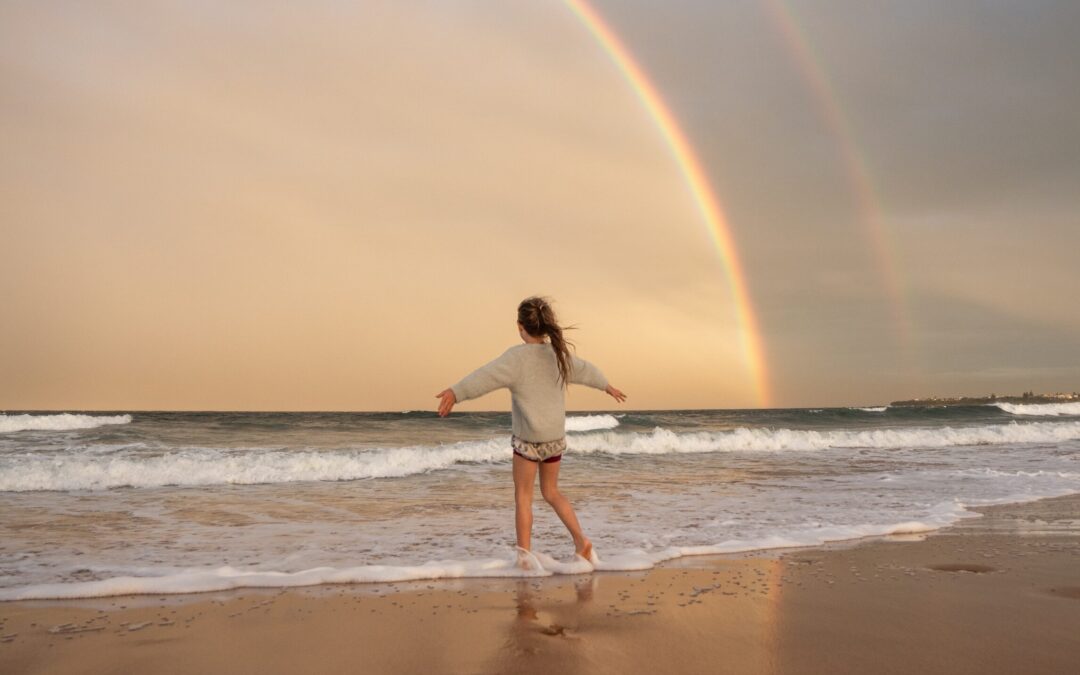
(547, 451)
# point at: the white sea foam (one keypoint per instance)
(1041, 409)
(243, 466)
(940, 516)
(663, 441)
(195, 580)
(225, 578)
(875, 409)
(90, 470)
(62, 422)
(590, 422)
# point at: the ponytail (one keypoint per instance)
(538, 318)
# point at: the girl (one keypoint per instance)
(537, 374)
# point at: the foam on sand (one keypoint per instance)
(62, 422)
(195, 580)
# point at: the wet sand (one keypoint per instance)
(997, 594)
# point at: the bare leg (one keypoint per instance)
(524, 479)
(549, 488)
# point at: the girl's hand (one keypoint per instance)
(615, 393)
(447, 402)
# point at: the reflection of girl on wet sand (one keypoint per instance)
(532, 630)
(546, 627)
(537, 374)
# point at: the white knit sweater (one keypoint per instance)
(538, 401)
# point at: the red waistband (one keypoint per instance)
(549, 460)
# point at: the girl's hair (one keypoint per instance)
(538, 318)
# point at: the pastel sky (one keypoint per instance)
(338, 206)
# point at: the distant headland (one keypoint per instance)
(1026, 397)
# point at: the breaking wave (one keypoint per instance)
(91, 469)
(62, 422)
(1041, 409)
(591, 422)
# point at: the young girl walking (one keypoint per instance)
(537, 374)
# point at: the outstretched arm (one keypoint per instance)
(615, 393)
(496, 374)
(586, 373)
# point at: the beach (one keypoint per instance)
(993, 594)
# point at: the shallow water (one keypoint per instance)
(172, 502)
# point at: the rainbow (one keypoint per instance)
(867, 201)
(707, 202)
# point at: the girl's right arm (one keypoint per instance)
(500, 372)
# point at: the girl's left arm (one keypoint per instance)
(586, 373)
(589, 375)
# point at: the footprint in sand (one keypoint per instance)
(553, 629)
(1072, 592)
(963, 567)
(527, 614)
(548, 626)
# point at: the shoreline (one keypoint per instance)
(998, 593)
(227, 579)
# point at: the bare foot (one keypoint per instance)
(589, 554)
(526, 560)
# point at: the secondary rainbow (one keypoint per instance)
(707, 202)
(867, 201)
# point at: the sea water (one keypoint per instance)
(164, 502)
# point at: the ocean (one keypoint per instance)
(114, 503)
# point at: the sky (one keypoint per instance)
(338, 206)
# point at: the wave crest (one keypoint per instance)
(744, 439)
(235, 466)
(92, 470)
(591, 422)
(62, 422)
(1041, 409)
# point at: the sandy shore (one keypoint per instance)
(998, 594)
